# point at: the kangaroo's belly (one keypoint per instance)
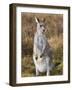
(41, 65)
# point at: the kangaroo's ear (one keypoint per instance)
(37, 20)
(43, 19)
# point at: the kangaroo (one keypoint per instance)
(42, 52)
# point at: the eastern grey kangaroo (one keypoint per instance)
(42, 52)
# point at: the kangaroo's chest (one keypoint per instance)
(40, 41)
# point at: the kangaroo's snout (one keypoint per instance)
(43, 30)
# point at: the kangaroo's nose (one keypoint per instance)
(43, 30)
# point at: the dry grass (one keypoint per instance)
(54, 27)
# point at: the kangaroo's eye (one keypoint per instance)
(36, 57)
(41, 25)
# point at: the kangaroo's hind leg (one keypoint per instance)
(35, 62)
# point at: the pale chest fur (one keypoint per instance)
(39, 42)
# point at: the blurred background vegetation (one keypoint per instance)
(54, 34)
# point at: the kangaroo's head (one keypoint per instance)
(40, 26)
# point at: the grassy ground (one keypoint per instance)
(54, 27)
